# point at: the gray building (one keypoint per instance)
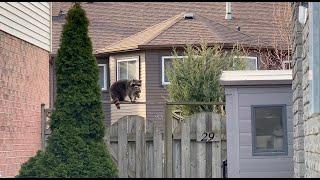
(259, 123)
(306, 90)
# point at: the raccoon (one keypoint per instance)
(119, 90)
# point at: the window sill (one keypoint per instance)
(261, 154)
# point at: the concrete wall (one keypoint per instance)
(24, 85)
(241, 162)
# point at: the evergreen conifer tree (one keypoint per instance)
(75, 147)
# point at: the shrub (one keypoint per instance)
(75, 147)
(196, 77)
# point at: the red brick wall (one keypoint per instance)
(24, 85)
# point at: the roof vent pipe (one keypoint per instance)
(188, 16)
(228, 11)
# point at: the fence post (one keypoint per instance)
(43, 127)
(168, 141)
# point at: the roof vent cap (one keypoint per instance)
(188, 16)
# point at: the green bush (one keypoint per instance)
(75, 147)
(196, 77)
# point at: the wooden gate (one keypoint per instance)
(196, 146)
(194, 149)
(136, 147)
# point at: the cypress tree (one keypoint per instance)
(75, 147)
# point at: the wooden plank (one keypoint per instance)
(123, 147)
(185, 148)
(216, 147)
(201, 146)
(158, 146)
(168, 141)
(149, 160)
(209, 146)
(140, 146)
(176, 155)
(131, 146)
(193, 148)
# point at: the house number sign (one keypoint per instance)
(208, 137)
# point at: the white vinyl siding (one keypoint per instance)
(30, 21)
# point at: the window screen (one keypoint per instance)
(269, 130)
(127, 69)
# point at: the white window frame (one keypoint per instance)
(284, 65)
(249, 57)
(126, 60)
(162, 73)
(104, 76)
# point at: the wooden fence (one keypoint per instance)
(190, 147)
(196, 147)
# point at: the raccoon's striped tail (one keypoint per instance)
(117, 103)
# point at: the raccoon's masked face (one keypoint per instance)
(136, 85)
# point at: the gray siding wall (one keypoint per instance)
(298, 123)
(30, 21)
(241, 162)
(128, 109)
(155, 91)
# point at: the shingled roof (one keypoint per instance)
(116, 23)
(178, 30)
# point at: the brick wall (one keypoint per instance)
(24, 85)
(307, 128)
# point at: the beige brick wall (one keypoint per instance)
(24, 85)
(298, 123)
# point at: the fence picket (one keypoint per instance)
(185, 149)
(140, 146)
(216, 147)
(201, 146)
(123, 147)
(158, 146)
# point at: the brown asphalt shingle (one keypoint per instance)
(179, 31)
(111, 22)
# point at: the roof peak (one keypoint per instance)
(144, 36)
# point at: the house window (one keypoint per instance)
(103, 76)
(167, 64)
(128, 69)
(251, 62)
(269, 134)
(286, 65)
